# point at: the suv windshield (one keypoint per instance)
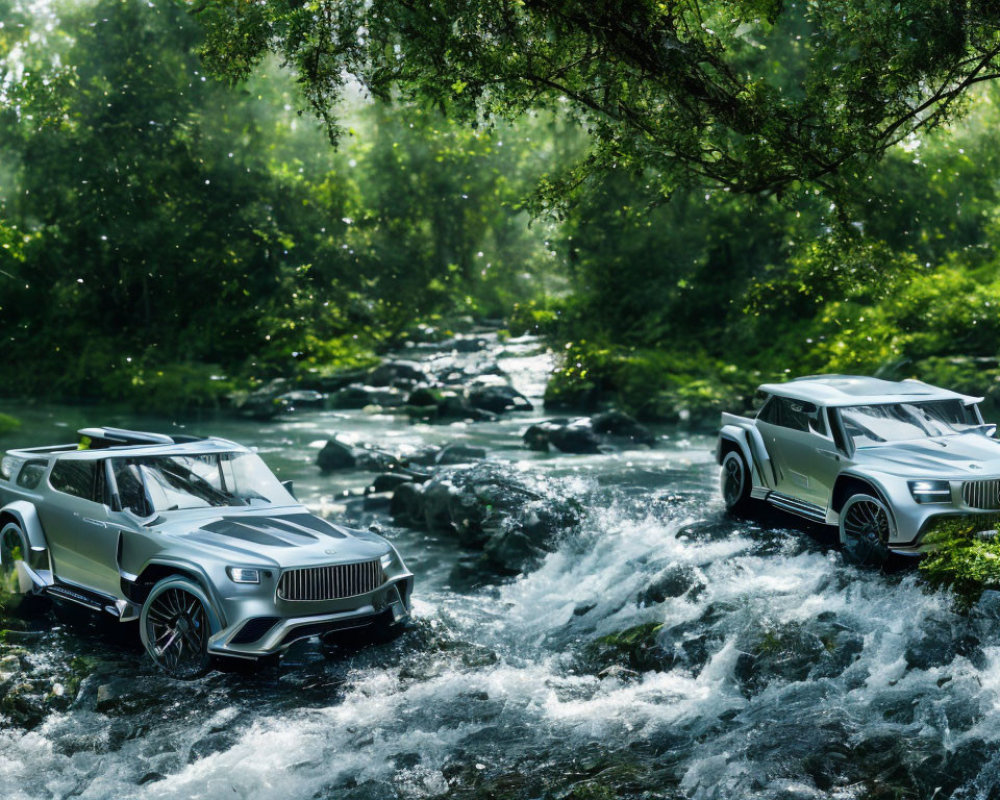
(896, 422)
(151, 484)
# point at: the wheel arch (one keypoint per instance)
(155, 571)
(850, 483)
(733, 438)
(26, 516)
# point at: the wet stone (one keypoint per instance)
(675, 581)
(939, 644)
(387, 373)
(793, 652)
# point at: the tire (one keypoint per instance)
(735, 483)
(175, 625)
(14, 583)
(866, 528)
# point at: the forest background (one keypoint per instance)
(805, 188)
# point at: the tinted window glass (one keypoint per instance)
(31, 474)
(795, 414)
(78, 478)
(130, 489)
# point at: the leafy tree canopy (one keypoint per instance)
(753, 95)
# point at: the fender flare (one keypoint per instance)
(26, 516)
(864, 477)
(745, 439)
(190, 571)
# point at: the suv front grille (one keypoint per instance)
(982, 494)
(331, 583)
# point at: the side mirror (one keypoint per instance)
(289, 487)
(375, 528)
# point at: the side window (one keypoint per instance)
(797, 415)
(79, 479)
(31, 474)
(769, 411)
(131, 491)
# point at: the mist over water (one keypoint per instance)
(778, 671)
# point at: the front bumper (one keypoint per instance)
(254, 628)
(918, 523)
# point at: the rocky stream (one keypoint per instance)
(587, 625)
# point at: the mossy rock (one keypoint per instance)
(636, 648)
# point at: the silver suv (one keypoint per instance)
(196, 538)
(884, 461)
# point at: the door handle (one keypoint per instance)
(829, 454)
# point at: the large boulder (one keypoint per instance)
(566, 435)
(338, 455)
(391, 373)
(619, 425)
(498, 398)
(611, 430)
(512, 518)
(359, 396)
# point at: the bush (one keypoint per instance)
(8, 424)
(655, 385)
(963, 557)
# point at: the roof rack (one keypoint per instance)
(117, 437)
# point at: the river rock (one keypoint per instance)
(301, 398)
(619, 425)
(637, 648)
(566, 435)
(262, 403)
(358, 396)
(498, 398)
(509, 518)
(459, 454)
(819, 648)
(607, 431)
(388, 373)
(675, 581)
(338, 455)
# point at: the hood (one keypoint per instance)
(966, 455)
(285, 540)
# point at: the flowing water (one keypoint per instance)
(777, 670)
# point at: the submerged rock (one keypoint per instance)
(819, 648)
(637, 648)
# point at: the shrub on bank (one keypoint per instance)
(651, 384)
(8, 424)
(964, 556)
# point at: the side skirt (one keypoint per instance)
(801, 508)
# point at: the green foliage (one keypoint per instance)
(650, 384)
(963, 557)
(195, 230)
(536, 317)
(753, 96)
(8, 424)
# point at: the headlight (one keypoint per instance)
(243, 575)
(7, 466)
(930, 491)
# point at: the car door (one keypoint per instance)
(797, 436)
(78, 524)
